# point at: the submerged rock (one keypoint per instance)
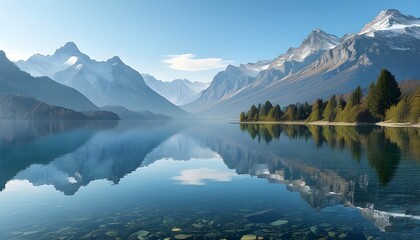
(176, 229)
(279, 222)
(249, 237)
(343, 235)
(313, 229)
(111, 233)
(183, 236)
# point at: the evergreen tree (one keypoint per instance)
(330, 109)
(415, 107)
(253, 114)
(267, 107)
(398, 113)
(242, 117)
(341, 103)
(356, 96)
(290, 113)
(316, 113)
(383, 94)
(275, 113)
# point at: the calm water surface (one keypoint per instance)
(207, 180)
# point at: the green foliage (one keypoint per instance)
(316, 113)
(399, 112)
(414, 115)
(290, 114)
(383, 94)
(242, 117)
(252, 114)
(267, 107)
(331, 109)
(356, 96)
(275, 113)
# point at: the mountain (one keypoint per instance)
(234, 81)
(178, 91)
(224, 86)
(21, 107)
(108, 82)
(126, 114)
(324, 65)
(15, 81)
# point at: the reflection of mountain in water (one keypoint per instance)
(23, 143)
(373, 169)
(108, 154)
(377, 176)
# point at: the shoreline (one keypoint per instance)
(327, 123)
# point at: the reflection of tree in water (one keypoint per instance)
(383, 155)
(383, 147)
(407, 139)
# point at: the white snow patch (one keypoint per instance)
(71, 61)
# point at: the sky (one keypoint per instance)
(173, 39)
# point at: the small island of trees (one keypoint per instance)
(385, 102)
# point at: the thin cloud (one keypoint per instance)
(188, 62)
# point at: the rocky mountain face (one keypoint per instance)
(108, 82)
(15, 81)
(321, 66)
(178, 91)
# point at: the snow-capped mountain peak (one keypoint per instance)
(69, 48)
(316, 41)
(319, 39)
(393, 22)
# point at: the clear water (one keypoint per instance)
(207, 180)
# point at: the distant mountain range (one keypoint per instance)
(13, 80)
(321, 66)
(22, 107)
(105, 83)
(178, 91)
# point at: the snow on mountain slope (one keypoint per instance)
(108, 82)
(317, 41)
(15, 81)
(392, 22)
(334, 66)
(178, 92)
(238, 81)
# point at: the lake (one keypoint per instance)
(207, 180)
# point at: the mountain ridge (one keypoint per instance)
(109, 82)
(355, 60)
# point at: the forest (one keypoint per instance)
(385, 101)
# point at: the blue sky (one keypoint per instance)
(180, 38)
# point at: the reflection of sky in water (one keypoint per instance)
(157, 171)
(197, 176)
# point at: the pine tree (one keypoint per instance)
(330, 109)
(252, 114)
(275, 113)
(398, 113)
(415, 107)
(383, 94)
(316, 113)
(242, 117)
(267, 107)
(356, 96)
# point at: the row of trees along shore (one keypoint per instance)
(385, 102)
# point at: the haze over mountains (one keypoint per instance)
(105, 83)
(13, 80)
(321, 66)
(178, 91)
